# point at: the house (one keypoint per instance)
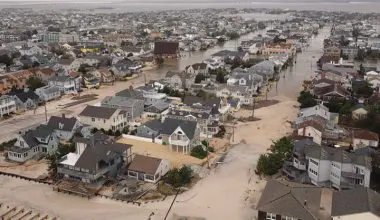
(134, 108)
(350, 52)
(180, 135)
(364, 138)
(282, 200)
(337, 168)
(231, 55)
(7, 105)
(65, 84)
(166, 49)
(311, 128)
(44, 73)
(331, 51)
(63, 126)
(90, 81)
(148, 169)
(264, 68)
(42, 140)
(106, 76)
(133, 51)
(125, 67)
(25, 100)
(155, 110)
(359, 203)
(151, 95)
(197, 68)
(279, 48)
(239, 92)
(48, 93)
(94, 158)
(131, 93)
(104, 118)
(318, 111)
(175, 79)
(359, 111)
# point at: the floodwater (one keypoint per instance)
(291, 79)
(119, 6)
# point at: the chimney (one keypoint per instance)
(63, 115)
(305, 203)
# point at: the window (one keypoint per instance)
(287, 218)
(271, 216)
(314, 162)
(22, 143)
(93, 119)
(313, 172)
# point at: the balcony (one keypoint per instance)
(353, 175)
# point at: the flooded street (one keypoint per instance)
(290, 79)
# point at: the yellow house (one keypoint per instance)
(89, 49)
(359, 112)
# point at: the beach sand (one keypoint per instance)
(228, 192)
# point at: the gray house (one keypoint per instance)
(134, 107)
(63, 127)
(94, 158)
(180, 135)
(41, 140)
(48, 93)
(25, 100)
(264, 69)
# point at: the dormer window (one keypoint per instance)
(60, 126)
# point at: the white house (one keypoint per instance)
(355, 204)
(48, 93)
(104, 118)
(65, 84)
(312, 129)
(337, 168)
(7, 105)
(149, 169)
(364, 138)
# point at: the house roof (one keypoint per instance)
(365, 134)
(62, 123)
(338, 155)
(144, 164)
(335, 88)
(288, 199)
(312, 123)
(131, 93)
(31, 136)
(170, 125)
(355, 201)
(24, 96)
(98, 112)
(100, 148)
(119, 101)
(166, 47)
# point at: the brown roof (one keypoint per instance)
(144, 164)
(312, 123)
(365, 134)
(166, 47)
(47, 71)
(330, 89)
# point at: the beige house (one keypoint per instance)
(312, 129)
(104, 118)
(364, 138)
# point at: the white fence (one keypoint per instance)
(133, 137)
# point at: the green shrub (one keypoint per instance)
(198, 152)
(179, 177)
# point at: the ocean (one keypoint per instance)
(119, 6)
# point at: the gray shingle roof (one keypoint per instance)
(355, 201)
(100, 148)
(98, 112)
(288, 199)
(337, 155)
(66, 123)
(169, 125)
(119, 101)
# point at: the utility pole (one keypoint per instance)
(207, 145)
(253, 107)
(46, 117)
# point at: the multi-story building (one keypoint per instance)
(94, 158)
(7, 105)
(104, 118)
(330, 167)
(134, 107)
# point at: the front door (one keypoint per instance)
(141, 176)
